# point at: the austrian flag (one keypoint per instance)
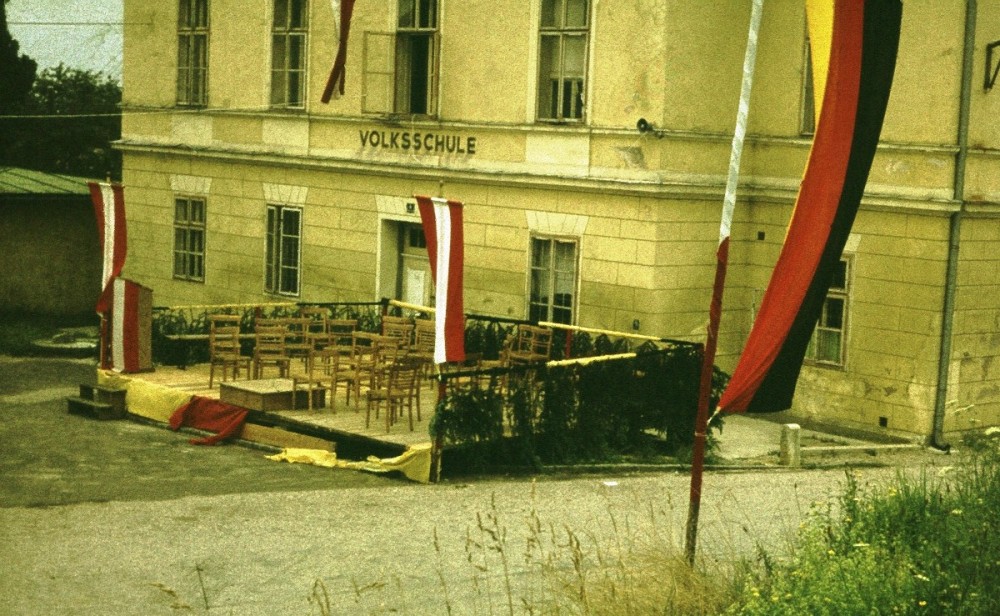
(442, 222)
(109, 210)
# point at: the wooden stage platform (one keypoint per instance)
(335, 417)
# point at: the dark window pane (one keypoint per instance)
(839, 280)
(551, 13)
(299, 15)
(576, 13)
(406, 17)
(280, 14)
(834, 313)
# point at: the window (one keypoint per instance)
(192, 53)
(288, 53)
(284, 231)
(401, 68)
(189, 239)
(829, 338)
(416, 57)
(562, 59)
(553, 280)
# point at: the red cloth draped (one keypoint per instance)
(212, 415)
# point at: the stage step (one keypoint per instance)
(98, 402)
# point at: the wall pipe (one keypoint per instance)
(955, 230)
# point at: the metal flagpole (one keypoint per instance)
(715, 310)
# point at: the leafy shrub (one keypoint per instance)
(919, 546)
(582, 412)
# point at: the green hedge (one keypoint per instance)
(641, 407)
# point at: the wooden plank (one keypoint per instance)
(283, 438)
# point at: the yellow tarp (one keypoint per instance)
(144, 398)
(414, 463)
(316, 457)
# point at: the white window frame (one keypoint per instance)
(827, 327)
(552, 90)
(285, 68)
(550, 307)
(189, 232)
(276, 235)
(387, 85)
(193, 23)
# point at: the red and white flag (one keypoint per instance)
(109, 210)
(342, 11)
(442, 222)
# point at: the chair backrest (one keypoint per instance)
(270, 339)
(399, 328)
(318, 318)
(223, 334)
(223, 340)
(340, 332)
(403, 376)
(223, 320)
(424, 335)
(533, 340)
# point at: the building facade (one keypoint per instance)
(589, 142)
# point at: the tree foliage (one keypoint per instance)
(68, 124)
(17, 71)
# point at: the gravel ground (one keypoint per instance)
(123, 518)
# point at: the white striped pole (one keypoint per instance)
(715, 310)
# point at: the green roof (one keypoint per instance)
(14, 181)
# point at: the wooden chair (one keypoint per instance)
(373, 356)
(531, 344)
(397, 388)
(338, 332)
(399, 329)
(423, 346)
(319, 376)
(224, 347)
(317, 327)
(342, 357)
(298, 341)
(269, 349)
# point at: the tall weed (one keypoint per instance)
(922, 545)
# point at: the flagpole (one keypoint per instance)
(715, 308)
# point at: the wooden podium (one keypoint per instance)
(127, 329)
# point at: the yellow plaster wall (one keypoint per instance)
(894, 328)
(486, 61)
(976, 342)
(149, 73)
(633, 70)
(923, 104)
(984, 130)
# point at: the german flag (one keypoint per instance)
(854, 46)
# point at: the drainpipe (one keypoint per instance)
(954, 231)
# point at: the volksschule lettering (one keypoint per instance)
(412, 141)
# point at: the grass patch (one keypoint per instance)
(921, 545)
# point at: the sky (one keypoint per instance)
(93, 41)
